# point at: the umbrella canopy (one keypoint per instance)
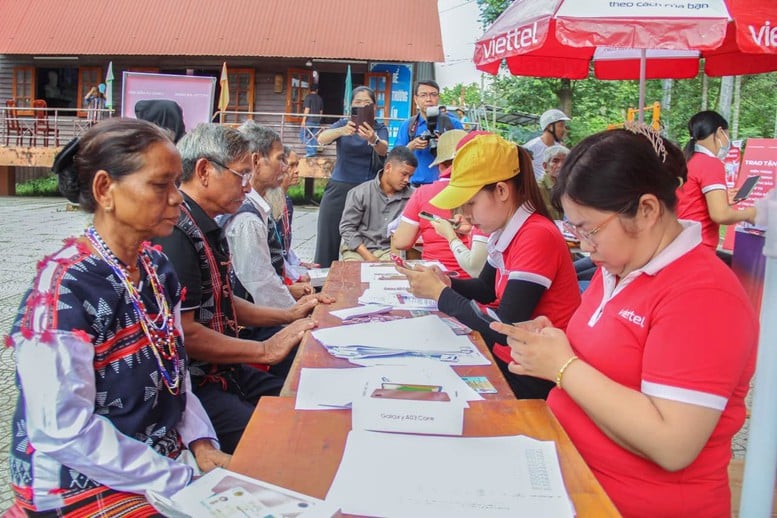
(224, 91)
(109, 86)
(652, 40)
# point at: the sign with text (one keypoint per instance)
(401, 94)
(407, 416)
(194, 94)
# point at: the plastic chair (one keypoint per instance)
(13, 126)
(42, 126)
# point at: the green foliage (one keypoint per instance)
(453, 95)
(46, 186)
(297, 192)
(491, 9)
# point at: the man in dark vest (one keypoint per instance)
(217, 172)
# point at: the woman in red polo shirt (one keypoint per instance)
(703, 197)
(529, 269)
(653, 369)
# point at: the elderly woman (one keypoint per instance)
(356, 163)
(105, 405)
(652, 371)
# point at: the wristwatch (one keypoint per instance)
(373, 144)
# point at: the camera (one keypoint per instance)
(431, 134)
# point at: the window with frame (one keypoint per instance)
(241, 94)
(87, 77)
(297, 88)
(23, 88)
(380, 82)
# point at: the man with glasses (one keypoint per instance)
(414, 133)
(217, 171)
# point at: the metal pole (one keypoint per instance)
(761, 457)
(642, 74)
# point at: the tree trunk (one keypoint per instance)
(726, 94)
(735, 115)
(564, 94)
(666, 106)
(704, 90)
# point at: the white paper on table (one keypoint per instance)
(222, 493)
(360, 311)
(467, 357)
(422, 372)
(328, 389)
(428, 334)
(397, 299)
(412, 475)
(376, 271)
(390, 285)
(407, 416)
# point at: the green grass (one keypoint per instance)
(46, 186)
(297, 192)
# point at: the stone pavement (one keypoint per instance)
(33, 227)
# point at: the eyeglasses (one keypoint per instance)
(245, 178)
(588, 235)
(429, 95)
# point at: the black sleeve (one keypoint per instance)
(517, 305)
(181, 252)
(481, 288)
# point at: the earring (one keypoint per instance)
(109, 208)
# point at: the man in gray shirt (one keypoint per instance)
(371, 206)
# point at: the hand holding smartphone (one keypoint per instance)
(400, 262)
(431, 217)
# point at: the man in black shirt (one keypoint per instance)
(311, 119)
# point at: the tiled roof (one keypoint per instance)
(396, 30)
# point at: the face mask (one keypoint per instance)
(723, 151)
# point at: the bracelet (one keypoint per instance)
(560, 374)
(373, 144)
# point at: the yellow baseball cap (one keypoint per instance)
(485, 159)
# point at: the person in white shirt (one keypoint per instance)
(554, 129)
(252, 233)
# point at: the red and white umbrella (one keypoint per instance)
(645, 39)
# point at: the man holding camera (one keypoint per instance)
(420, 132)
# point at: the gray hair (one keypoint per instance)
(213, 142)
(261, 138)
(554, 150)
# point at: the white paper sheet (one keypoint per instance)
(396, 299)
(383, 474)
(327, 389)
(428, 334)
(222, 493)
(360, 311)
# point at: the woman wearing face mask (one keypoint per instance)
(704, 197)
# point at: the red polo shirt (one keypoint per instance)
(705, 173)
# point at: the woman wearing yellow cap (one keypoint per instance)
(529, 271)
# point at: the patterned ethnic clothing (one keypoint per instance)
(94, 421)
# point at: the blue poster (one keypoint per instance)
(401, 94)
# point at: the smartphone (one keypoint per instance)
(400, 262)
(746, 189)
(432, 217)
(362, 114)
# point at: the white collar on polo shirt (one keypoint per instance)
(698, 148)
(501, 239)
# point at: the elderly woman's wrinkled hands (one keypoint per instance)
(538, 348)
(208, 456)
(425, 283)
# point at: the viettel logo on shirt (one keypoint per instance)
(632, 317)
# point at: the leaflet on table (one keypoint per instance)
(325, 389)
(396, 299)
(318, 276)
(386, 271)
(222, 493)
(428, 334)
(492, 477)
(360, 311)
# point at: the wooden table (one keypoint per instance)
(301, 450)
(344, 283)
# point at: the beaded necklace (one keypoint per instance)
(160, 330)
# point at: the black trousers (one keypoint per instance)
(329, 213)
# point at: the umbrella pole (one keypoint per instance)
(642, 74)
(761, 457)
